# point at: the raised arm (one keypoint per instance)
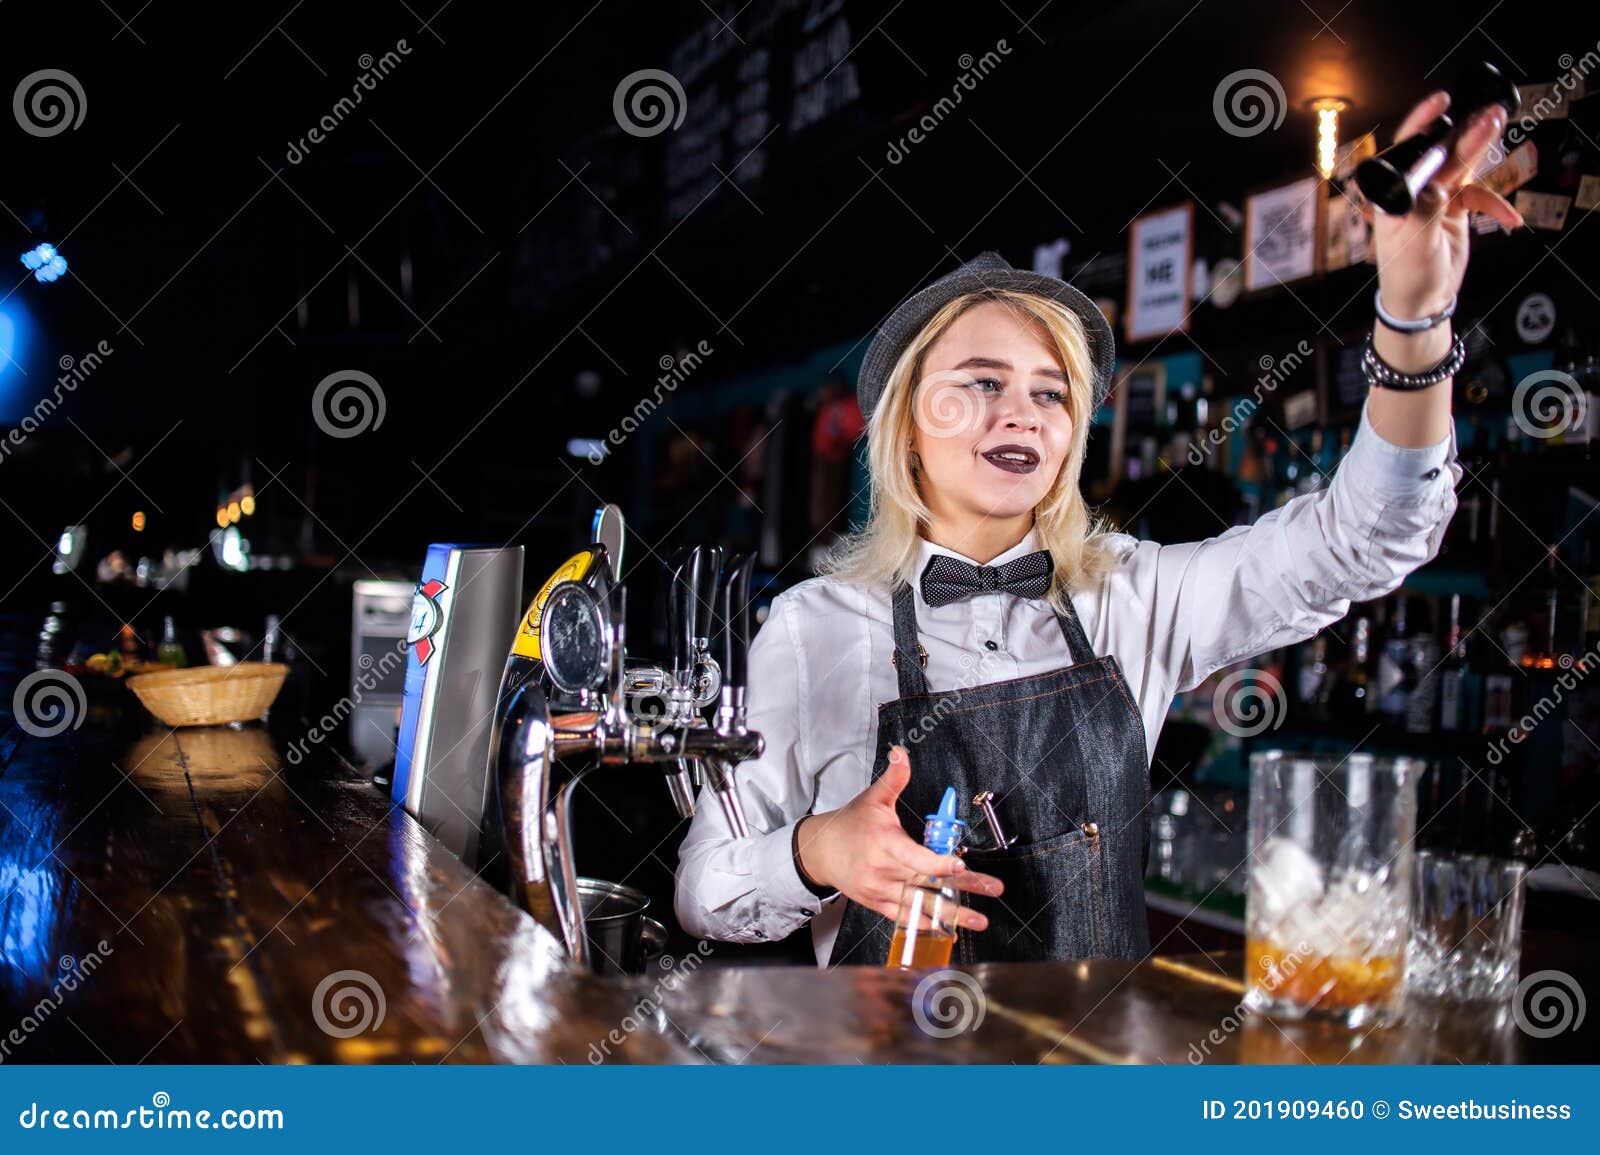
(1298, 568)
(1422, 258)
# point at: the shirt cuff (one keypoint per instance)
(783, 892)
(1396, 471)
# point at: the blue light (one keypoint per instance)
(20, 382)
(46, 263)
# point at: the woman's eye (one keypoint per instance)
(989, 384)
(1051, 396)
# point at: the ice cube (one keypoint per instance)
(1284, 878)
(1363, 910)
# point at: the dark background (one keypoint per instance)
(222, 275)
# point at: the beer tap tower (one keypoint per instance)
(571, 704)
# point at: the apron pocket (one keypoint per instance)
(1053, 906)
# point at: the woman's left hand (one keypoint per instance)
(1422, 256)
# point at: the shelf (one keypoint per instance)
(1188, 909)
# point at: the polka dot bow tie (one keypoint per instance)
(947, 579)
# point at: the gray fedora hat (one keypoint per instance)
(988, 270)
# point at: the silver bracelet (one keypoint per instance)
(1384, 375)
(1421, 324)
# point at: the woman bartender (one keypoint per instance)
(1008, 645)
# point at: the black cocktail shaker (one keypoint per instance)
(1393, 178)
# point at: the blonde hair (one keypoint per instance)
(885, 550)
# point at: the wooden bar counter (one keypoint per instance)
(196, 896)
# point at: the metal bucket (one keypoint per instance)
(621, 938)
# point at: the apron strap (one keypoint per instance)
(909, 655)
(1072, 630)
(908, 652)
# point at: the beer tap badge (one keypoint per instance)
(425, 618)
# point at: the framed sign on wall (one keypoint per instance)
(1160, 272)
(1280, 234)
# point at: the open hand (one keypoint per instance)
(862, 851)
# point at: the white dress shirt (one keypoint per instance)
(1171, 614)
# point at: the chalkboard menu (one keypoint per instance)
(793, 68)
(747, 95)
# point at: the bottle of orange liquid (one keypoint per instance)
(925, 928)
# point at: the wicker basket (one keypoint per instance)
(210, 695)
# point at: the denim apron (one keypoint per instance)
(1064, 753)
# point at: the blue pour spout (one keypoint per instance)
(944, 830)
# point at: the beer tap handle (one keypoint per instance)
(680, 597)
(735, 624)
(705, 566)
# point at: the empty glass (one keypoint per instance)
(1466, 935)
(1328, 902)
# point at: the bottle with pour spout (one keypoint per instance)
(925, 927)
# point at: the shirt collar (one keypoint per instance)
(926, 550)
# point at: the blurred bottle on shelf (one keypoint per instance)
(1460, 683)
(170, 650)
(1319, 468)
(1557, 626)
(1422, 661)
(1314, 686)
(270, 639)
(1394, 668)
(1352, 697)
(1467, 538)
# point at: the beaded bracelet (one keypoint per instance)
(1380, 373)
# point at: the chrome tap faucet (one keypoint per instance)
(630, 716)
(734, 629)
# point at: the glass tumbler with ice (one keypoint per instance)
(1328, 901)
